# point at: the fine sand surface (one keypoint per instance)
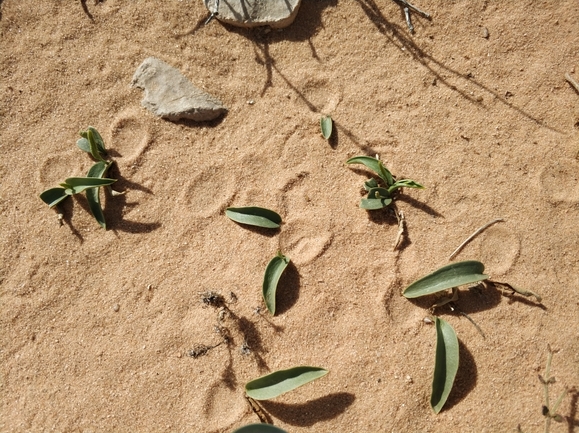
(96, 325)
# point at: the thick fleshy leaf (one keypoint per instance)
(282, 381)
(326, 125)
(93, 194)
(374, 203)
(259, 428)
(255, 216)
(375, 165)
(447, 277)
(445, 364)
(53, 196)
(79, 184)
(272, 275)
(378, 192)
(370, 183)
(83, 144)
(98, 140)
(96, 145)
(405, 183)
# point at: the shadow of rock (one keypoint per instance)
(307, 414)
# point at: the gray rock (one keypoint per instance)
(171, 95)
(254, 13)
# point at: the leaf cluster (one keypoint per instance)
(381, 191)
(92, 143)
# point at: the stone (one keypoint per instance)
(255, 13)
(172, 96)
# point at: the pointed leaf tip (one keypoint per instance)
(255, 216)
(447, 277)
(282, 381)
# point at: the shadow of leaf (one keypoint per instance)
(288, 292)
(465, 379)
(307, 414)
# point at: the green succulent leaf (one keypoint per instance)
(96, 145)
(326, 125)
(370, 183)
(83, 144)
(273, 272)
(259, 428)
(375, 165)
(255, 216)
(385, 174)
(378, 192)
(445, 364)
(375, 203)
(93, 194)
(53, 196)
(79, 184)
(405, 183)
(447, 277)
(282, 381)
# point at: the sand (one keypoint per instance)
(97, 325)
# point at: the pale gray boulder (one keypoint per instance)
(254, 13)
(171, 95)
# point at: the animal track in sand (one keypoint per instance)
(130, 137)
(210, 191)
(220, 396)
(304, 237)
(55, 168)
(560, 181)
(498, 247)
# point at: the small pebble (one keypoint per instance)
(485, 33)
(251, 102)
(427, 320)
(116, 308)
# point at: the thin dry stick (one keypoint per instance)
(471, 237)
(571, 81)
(400, 218)
(256, 408)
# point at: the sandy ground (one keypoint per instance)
(96, 325)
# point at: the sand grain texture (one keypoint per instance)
(96, 324)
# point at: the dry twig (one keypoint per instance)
(471, 237)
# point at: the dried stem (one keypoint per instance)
(471, 237)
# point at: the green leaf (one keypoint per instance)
(385, 174)
(98, 170)
(447, 277)
(370, 183)
(83, 144)
(272, 275)
(259, 428)
(282, 381)
(98, 140)
(53, 196)
(378, 192)
(93, 194)
(445, 364)
(94, 143)
(79, 184)
(326, 126)
(374, 203)
(255, 216)
(405, 183)
(375, 165)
